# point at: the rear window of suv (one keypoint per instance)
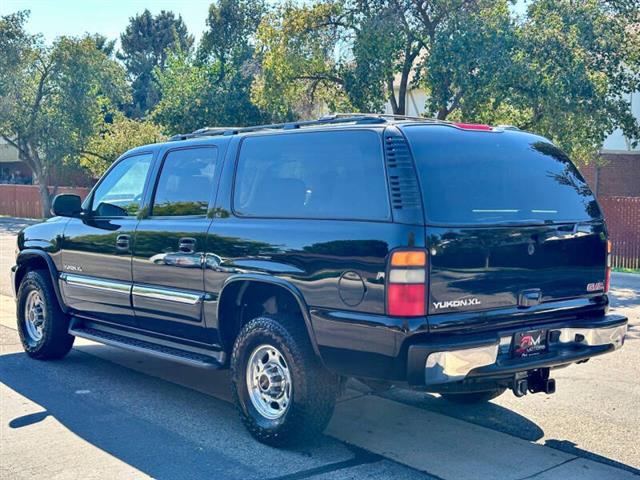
(496, 177)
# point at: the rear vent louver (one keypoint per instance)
(403, 184)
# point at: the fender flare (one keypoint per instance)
(22, 262)
(279, 282)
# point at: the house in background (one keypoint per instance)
(618, 177)
(12, 170)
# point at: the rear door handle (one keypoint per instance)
(187, 245)
(123, 242)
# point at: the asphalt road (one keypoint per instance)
(107, 413)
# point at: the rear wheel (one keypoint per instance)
(473, 397)
(280, 388)
(42, 325)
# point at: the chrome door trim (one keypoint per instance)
(114, 286)
(167, 294)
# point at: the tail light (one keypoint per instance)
(406, 283)
(607, 274)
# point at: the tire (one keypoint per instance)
(42, 325)
(282, 349)
(469, 398)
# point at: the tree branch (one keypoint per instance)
(325, 77)
(94, 154)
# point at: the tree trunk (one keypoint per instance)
(45, 198)
(402, 93)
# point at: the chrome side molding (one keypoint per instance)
(167, 294)
(113, 286)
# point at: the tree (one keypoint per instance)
(146, 44)
(360, 54)
(564, 69)
(116, 137)
(106, 46)
(213, 87)
(574, 66)
(299, 72)
(53, 99)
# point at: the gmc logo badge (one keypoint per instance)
(595, 286)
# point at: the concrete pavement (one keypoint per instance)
(108, 413)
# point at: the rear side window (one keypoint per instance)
(186, 182)
(496, 177)
(332, 175)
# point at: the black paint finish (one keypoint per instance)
(335, 269)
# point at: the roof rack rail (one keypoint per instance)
(337, 118)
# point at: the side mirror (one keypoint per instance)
(66, 205)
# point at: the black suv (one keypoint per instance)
(460, 259)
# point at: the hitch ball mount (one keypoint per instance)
(533, 382)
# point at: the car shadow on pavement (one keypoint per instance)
(487, 414)
(168, 430)
(161, 429)
(570, 447)
(496, 417)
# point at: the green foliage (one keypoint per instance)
(563, 70)
(115, 138)
(213, 87)
(574, 65)
(299, 62)
(53, 99)
(146, 44)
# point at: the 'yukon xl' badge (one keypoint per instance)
(464, 302)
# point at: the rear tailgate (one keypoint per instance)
(509, 221)
(495, 267)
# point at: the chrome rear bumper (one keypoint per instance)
(570, 344)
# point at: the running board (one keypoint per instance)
(143, 346)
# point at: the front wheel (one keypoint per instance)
(280, 388)
(42, 325)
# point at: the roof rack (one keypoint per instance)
(337, 118)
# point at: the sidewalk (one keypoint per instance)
(430, 442)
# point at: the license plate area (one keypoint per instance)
(530, 343)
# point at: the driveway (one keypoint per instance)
(108, 413)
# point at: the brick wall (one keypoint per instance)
(619, 177)
(623, 222)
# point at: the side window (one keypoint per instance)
(333, 175)
(185, 183)
(120, 192)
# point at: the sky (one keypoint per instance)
(53, 18)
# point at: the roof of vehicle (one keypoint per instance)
(336, 121)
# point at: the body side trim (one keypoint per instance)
(167, 294)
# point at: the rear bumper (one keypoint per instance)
(457, 360)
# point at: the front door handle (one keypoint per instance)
(123, 242)
(187, 245)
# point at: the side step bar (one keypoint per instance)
(137, 345)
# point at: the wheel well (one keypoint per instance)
(243, 301)
(32, 263)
